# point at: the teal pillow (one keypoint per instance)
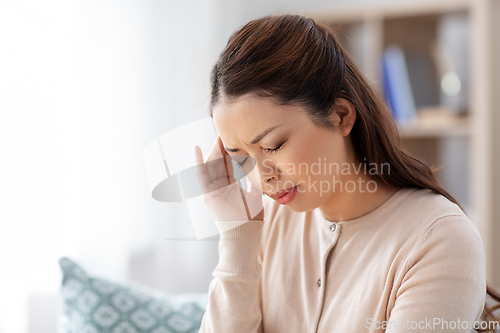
(92, 305)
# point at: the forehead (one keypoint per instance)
(248, 107)
(239, 121)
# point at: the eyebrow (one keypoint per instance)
(254, 141)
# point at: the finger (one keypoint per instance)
(216, 151)
(218, 168)
(214, 163)
(229, 168)
(201, 170)
(221, 145)
(226, 171)
(223, 171)
(198, 155)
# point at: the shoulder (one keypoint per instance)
(456, 235)
(449, 255)
(428, 203)
(417, 210)
(420, 224)
(440, 228)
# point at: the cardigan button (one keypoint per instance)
(319, 282)
(333, 226)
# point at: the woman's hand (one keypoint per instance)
(225, 199)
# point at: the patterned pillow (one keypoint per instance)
(92, 305)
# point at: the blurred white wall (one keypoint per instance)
(84, 87)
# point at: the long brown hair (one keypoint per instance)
(293, 59)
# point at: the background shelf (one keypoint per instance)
(436, 124)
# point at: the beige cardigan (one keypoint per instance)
(414, 264)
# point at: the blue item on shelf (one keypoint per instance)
(397, 85)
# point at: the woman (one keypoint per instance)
(356, 235)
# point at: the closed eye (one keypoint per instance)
(273, 150)
(240, 165)
(268, 150)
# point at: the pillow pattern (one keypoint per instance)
(94, 305)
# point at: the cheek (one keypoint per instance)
(315, 157)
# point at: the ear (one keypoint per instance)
(344, 115)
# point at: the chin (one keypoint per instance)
(302, 204)
(308, 202)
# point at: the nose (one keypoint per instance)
(269, 173)
(268, 179)
(266, 174)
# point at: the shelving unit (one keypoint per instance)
(461, 144)
(437, 124)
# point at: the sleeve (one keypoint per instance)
(444, 287)
(233, 296)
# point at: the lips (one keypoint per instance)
(281, 193)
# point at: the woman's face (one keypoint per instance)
(293, 152)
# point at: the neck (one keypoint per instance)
(345, 204)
